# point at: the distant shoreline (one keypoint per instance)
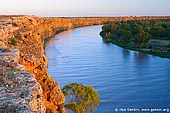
(150, 37)
(28, 34)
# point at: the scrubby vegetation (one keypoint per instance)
(81, 99)
(149, 36)
(13, 41)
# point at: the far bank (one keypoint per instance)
(149, 36)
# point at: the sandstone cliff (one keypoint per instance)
(28, 34)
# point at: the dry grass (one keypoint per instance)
(160, 42)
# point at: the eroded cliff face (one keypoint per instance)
(19, 90)
(28, 34)
(25, 34)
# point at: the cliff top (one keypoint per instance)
(25, 36)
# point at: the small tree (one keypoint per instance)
(107, 27)
(142, 37)
(113, 27)
(81, 98)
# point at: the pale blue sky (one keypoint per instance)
(85, 7)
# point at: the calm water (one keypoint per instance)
(123, 78)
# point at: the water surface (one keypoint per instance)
(123, 78)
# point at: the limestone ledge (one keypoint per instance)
(19, 90)
(29, 34)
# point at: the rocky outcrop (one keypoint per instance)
(28, 34)
(19, 90)
(25, 34)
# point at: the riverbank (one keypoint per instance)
(28, 34)
(150, 37)
(131, 75)
(142, 50)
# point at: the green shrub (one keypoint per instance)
(13, 41)
(81, 99)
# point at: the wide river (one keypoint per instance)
(123, 78)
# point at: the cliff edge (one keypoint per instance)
(26, 33)
(34, 89)
(19, 90)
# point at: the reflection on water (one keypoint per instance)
(140, 56)
(125, 53)
(123, 78)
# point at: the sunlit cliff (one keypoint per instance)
(26, 37)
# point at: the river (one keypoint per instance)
(123, 78)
